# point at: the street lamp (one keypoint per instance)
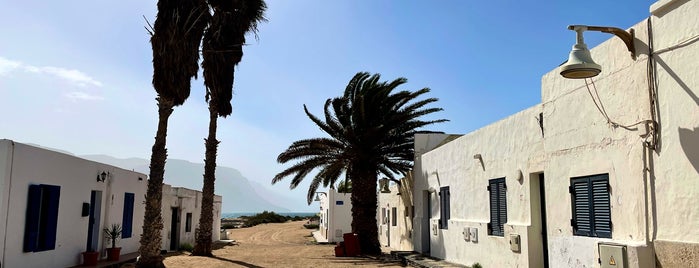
(580, 63)
(318, 195)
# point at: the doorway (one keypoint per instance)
(93, 227)
(542, 209)
(426, 219)
(175, 229)
(388, 227)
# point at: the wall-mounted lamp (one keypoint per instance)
(477, 156)
(580, 63)
(102, 176)
(318, 195)
(383, 186)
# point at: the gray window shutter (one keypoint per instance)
(601, 207)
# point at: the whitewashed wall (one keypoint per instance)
(398, 237)
(187, 201)
(508, 146)
(336, 215)
(22, 165)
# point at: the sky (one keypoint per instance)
(76, 75)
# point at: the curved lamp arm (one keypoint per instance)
(625, 36)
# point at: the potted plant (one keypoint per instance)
(90, 258)
(112, 234)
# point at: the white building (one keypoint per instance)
(395, 216)
(47, 201)
(181, 208)
(335, 215)
(569, 184)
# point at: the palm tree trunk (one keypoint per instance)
(153, 222)
(202, 245)
(364, 203)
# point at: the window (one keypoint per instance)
(188, 223)
(394, 216)
(498, 206)
(383, 215)
(444, 207)
(127, 218)
(591, 208)
(41, 219)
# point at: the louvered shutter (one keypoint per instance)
(444, 210)
(602, 219)
(502, 206)
(582, 221)
(498, 206)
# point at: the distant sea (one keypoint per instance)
(290, 214)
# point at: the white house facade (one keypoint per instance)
(181, 210)
(335, 215)
(395, 215)
(597, 174)
(53, 206)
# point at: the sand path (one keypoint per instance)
(274, 245)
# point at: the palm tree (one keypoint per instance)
(175, 40)
(222, 51)
(371, 130)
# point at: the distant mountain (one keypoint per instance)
(239, 194)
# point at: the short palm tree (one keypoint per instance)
(222, 51)
(175, 41)
(371, 129)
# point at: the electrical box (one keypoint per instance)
(467, 234)
(515, 242)
(612, 256)
(474, 234)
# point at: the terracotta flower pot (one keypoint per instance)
(90, 258)
(113, 254)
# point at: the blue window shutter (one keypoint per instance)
(49, 222)
(601, 207)
(31, 223)
(127, 218)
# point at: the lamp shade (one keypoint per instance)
(580, 64)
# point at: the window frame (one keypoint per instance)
(497, 200)
(188, 222)
(591, 217)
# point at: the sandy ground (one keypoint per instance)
(275, 245)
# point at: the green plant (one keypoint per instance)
(476, 265)
(113, 233)
(186, 247)
(228, 226)
(311, 226)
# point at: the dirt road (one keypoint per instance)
(274, 245)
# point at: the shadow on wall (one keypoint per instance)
(689, 139)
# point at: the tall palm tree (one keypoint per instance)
(175, 41)
(222, 51)
(371, 130)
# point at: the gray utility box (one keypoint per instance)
(612, 256)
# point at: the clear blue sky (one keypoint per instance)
(75, 75)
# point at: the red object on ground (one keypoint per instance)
(90, 258)
(340, 249)
(352, 248)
